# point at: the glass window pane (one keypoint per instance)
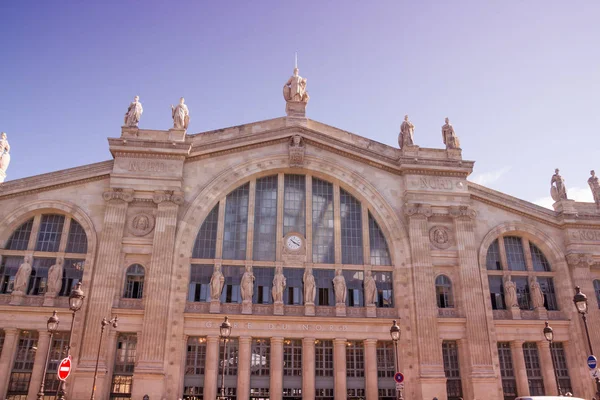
(20, 238)
(265, 219)
(77, 242)
(323, 357)
(452, 369)
(199, 287)
(322, 222)
(8, 271)
(294, 293)
(509, 382)
(205, 245)
(351, 220)
(324, 283)
(51, 227)
(547, 286)
(386, 367)
(562, 371)
(597, 290)
(380, 254)
(294, 204)
(514, 253)
(260, 359)
(72, 274)
(125, 354)
(540, 263)
(38, 279)
(354, 286)
(492, 260)
(236, 224)
(231, 290)
(496, 292)
(443, 289)
(134, 282)
(355, 359)
(292, 357)
(534, 372)
(523, 295)
(263, 282)
(385, 289)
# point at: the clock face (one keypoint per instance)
(293, 242)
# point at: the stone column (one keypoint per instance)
(211, 369)
(308, 368)
(339, 364)
(547, 368)
(372, 391)
(479, 356)
(276, 382)
(243, 378)
(151, 346)
(516, 348)
(431, 366)
(11, 336)
(38, 364)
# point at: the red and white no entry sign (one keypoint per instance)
(64, 368)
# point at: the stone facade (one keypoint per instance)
(148, 205)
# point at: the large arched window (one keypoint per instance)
(134, 282)
(516, 257)
(250, 224)
(443, 291)
(44, 238)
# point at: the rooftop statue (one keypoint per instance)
(405, 138)
(134, 113)
(294, 89)
(181, 115)
(595, 186)
(449, 136)
(558, 191)
(4, 153)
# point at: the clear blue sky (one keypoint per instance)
(520, 80)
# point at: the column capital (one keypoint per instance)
(10, 331)
(118, 194)
(544, 344)
(245, 339)
(212, 338)
(309, 340)
(172, 196)
(339, 341)
(581, 260)
(517, 343)
(418, 210)
(370, 342)
(466, 213)
(277, 340)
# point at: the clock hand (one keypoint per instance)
(296, 243)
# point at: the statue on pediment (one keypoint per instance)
(55, 274)
(339, 287)
(217, 281)
(510, 293)
(181, 115)
(558, 190)
(537, 295)
(370, 289)
(405, 138)
(449, 136)
(279, 283)
(294, 89)
(4, 152)
(595, 186)
(310, 290)
(22, 277)
(247, 284)
(134, 113)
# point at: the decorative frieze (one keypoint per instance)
(296, 151)
(462, 212)
(118, 194)
(417, 209)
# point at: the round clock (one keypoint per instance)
(293, 242)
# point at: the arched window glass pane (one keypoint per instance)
(547, 286)
(39, 275)
(385, 289)
(8, 271)
(265, 219)
(380, 254)
(236, 224)
(514, 253)
(523, 296)
(294, 204)
(351, 215)
(72, 273)
(322, 222)
(199, 288)
(443, 289)
(20, 238)
(540, 263)
(51, 228)
(263, 282)
(231, 290)
(134, 286)
(293, 294)
(492, 260)
(354, 285)
(324, 283)
(205, 245)
(597, 290)
(77, 242)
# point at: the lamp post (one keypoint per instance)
(581, 305)
(549, 335)
(225, 331)
(52, 326)
(113, 321)
(395, 334)
(75, 302)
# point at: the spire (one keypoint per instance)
(296, 61)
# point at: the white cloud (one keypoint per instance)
(487, 178)
(576, 193)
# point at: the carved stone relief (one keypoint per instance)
(296, 151)
(141, 224)
(440, 237)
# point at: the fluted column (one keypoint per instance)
(156, 306)
(276, 376)
(547, 368)
(371, 369)
(516, 348)
(9, 348)
(107, 273)
(38, 364)
(308, 368)
(580, 265)
(211, 369)
(244, 359)
(339, 368)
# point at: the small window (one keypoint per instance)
(597, 290)
(134, 283)
(443, 290)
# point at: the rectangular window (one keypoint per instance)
(122, 379)
(323, 357)
(560, 362)
(514, 253)
(195, 359)
(294, 204)
(385, 289)
(20, 375)
(351, 221)
(496, 292)
(293, 294)
(492, 260)
(1, 341)
(50, 232)
(39, 275)
(385, 359)
(199, 287)
(534, 372)
(60, 341)
(206, 242)
(355, 359)
(509, 383)
(77, 242)
(547, 286)
(260, 360)
(236, 224)
(452, 369)
(354, 285)
(263, 283)
(323, 394)
(265, 219)
(8, 271)
(322, 222)
(230, 362)
(523, 296)
(72, 274)
(231, 290)
(292, 357)
(355, 393)
(324, 282)
(387, 394)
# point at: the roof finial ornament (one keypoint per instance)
(296, 61)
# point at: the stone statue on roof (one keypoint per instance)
(294, 89)
(134, 113)
(4, 153)
(558, 190)
(595, 186)
(405, 138)
(181, 115)
(449, 136)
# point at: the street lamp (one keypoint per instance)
(52, 326)
(225, 331)
(549, 335)
(395, 334)
(75, 302)
(113, 321)
(581, 304)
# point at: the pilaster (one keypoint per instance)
(211, 369)
(308, 368)
(548, 369)
(244, 359)
(339, 364)
(371, 369)
(38, 364)
(9, 348)
(516, 348)
(276, 377)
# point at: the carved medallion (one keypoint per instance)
(440, 237)
(142, 224)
